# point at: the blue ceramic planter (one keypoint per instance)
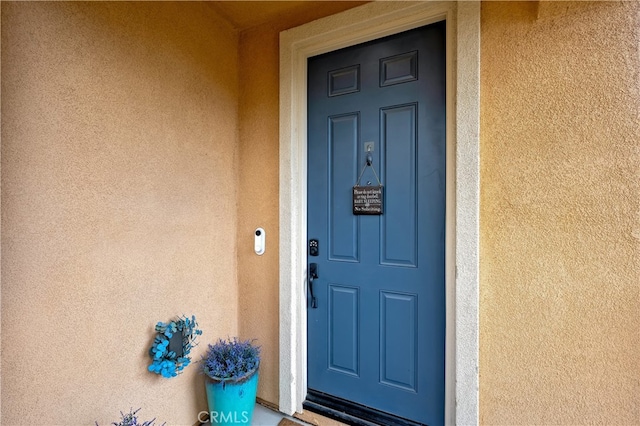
(231, 402)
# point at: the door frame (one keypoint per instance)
(358, 25)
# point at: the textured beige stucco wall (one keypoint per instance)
(560, 213)
(119, 180)
(258, 203)
(258, 185)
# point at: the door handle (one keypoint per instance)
(313, 274)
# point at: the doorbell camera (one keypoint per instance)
(259, 242)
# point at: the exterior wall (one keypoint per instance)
(129, 195)
(258, 185)
(119, 180)
(560, 213)
(258, 201)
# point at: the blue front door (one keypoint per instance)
(376, 336)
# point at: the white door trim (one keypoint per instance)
(368, 22)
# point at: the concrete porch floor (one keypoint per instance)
(263, 415)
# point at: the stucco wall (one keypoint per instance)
(119, 180)
(560, 213)
(258, 202)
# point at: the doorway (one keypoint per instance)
(376, 301)
(372, 21)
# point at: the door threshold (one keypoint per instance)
(351, 413)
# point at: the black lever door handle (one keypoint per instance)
(313, 274)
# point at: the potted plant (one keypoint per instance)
(231, 370)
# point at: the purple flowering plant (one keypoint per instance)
(131, 419)
(231, 360)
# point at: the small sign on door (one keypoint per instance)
(368, 200)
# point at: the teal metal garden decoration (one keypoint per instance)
(172, 346)
(231, 367)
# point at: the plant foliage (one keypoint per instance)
(131, 419)
(231, 359)
(166, 362)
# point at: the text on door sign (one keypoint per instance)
(368, 200)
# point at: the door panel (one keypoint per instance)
(344, 333)
(398, 340)
(399, 223)
(343, 145)
(376, 337)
